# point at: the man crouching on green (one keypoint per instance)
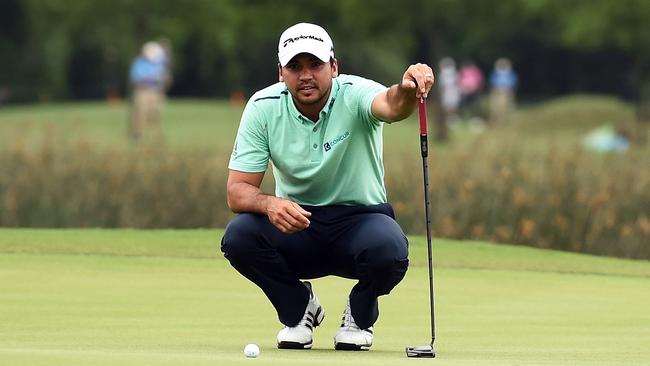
(329, 216)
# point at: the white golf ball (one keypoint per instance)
(251, 350)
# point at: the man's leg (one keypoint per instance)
(137, 115)
(156, 99)
(376, 247)
(363, 243)
(251, 244)
(276, 262)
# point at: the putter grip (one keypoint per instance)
(423, 116)
(424, 145)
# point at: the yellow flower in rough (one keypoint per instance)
(626, 231)
(502, 232)
(644, 225)
(478, 231)
(519, 197)
(600, 199)
(506, 173)
(562, 222)
(527, 228)
(610, 218)
(399, 206)
(448, 227)
(469, 185)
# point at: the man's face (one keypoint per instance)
(308, 78)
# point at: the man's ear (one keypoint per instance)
(280, 78)
(335, 67)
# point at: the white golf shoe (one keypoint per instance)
(350, 337)
(301, 336)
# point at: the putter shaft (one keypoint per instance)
(424, 147)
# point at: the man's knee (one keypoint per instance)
(386, 254)
(241, 238)
(387, 245)
(386, 261)
(387, 273)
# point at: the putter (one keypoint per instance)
(426, 350)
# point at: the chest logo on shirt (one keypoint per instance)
(331, 144)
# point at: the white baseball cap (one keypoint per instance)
(305, 38)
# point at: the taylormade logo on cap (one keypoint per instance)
(291, 40)
(305, 38)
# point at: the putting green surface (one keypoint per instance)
(123, 297)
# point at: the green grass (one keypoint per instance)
(212, 125)
(186, 123)
(527, 181)
(125, 297)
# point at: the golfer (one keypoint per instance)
(329, 216)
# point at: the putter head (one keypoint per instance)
(421, 351)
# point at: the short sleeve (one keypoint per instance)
(363, 91)
(251, 151)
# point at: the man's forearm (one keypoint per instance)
(244, 197)
(401, 101)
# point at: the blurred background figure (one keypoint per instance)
(470, 82)
(503, 85)
(237, 98)
(149, 77)
(449, 91)
(607, 138)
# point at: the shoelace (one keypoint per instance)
(347, 320)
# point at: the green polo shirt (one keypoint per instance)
(336, 160)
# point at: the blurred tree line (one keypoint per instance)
(60, 49)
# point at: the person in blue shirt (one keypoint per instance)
(148, 78)
(503, 85)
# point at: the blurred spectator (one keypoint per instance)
(470, 82)
(237, 99)
(148, 79)
(607, 139)
(449, 91)
(503, 84)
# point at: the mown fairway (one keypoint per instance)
(123, 297)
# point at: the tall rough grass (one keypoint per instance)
(527, 182)
(569, 200)
(80, 186)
